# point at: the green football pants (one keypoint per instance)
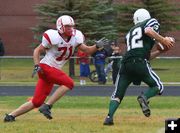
(134, 71)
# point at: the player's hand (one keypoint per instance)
(37, 68)
(168, 42)
(102, 42)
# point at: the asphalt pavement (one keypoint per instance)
(86, 90)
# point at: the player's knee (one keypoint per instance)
(70, 84)
(37, 103)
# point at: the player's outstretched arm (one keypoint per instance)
(88, 49)
(98, 45)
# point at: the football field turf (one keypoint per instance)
(86, 114)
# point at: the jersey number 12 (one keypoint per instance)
(133, 39)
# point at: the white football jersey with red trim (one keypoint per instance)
(58, 50)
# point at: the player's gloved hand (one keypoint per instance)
(37, 68)
(102, 42)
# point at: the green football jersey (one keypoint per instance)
(138, 43)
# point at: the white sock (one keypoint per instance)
(84, 82)
(81, 82)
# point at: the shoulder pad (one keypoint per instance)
(51, 35)
(79, 37)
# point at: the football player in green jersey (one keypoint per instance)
(135, 67)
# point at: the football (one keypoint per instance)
(162, 47)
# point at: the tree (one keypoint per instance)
(124, 18)
(103, 18)
(165, 12)
(93, 17)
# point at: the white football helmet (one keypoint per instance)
(62, 22)
(140, 15)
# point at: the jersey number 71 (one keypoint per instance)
(63, 50)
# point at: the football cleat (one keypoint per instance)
(45, 109)
(9, 118)
(108, 121)
(144, 105)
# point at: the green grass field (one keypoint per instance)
(86, 115)
(18, 71)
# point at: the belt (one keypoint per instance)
(134, 60)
